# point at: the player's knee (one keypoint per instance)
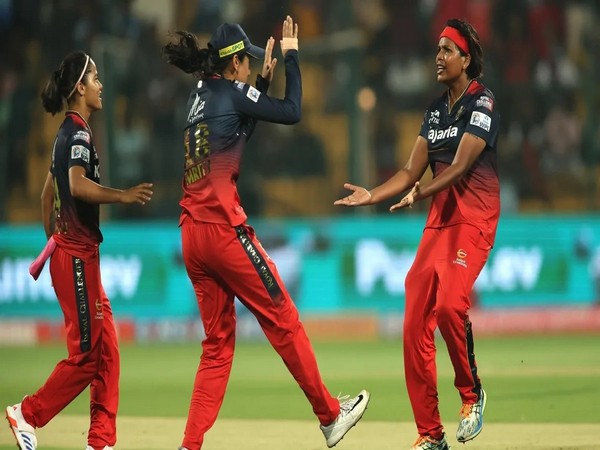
(449, 310)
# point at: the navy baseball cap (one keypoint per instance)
(229, 39)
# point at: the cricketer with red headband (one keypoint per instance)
(458, 142)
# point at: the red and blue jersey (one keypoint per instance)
(77, 222)
(475, 198)
(221, 116)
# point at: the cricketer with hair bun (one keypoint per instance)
(70, 214)
(223, 257)
(458, 141)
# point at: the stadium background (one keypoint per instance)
(367, 75)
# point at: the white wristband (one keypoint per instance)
(288, 43)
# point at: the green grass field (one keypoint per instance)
(529, 380)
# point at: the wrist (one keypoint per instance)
(289, 43)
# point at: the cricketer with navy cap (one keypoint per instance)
(230, 38)
(223, 257)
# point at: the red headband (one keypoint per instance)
(454, 35)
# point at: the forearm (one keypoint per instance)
(447, 178)
(88, 191)
(401, 181)
(47, 203)
(293, 81)
(48, 218)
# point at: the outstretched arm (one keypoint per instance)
(398, 183)
(88, 191)
(469, 149)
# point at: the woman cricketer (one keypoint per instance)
(458, 141)
(223, 256)
(70, 212)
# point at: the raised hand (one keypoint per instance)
(269, 63)
(289, 35)
(360, 196)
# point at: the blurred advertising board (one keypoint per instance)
(330, 266)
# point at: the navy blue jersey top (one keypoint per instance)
(475, 198)
(221, 115)
(77, 222)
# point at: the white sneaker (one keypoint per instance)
(24, 433)
(471, 416)
(429, 443)
(350, 413)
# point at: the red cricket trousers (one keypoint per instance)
(438, 285)
(224, 262)
(93, 352)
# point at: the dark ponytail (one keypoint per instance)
(62, 82)
(467, 30)
(187, 55)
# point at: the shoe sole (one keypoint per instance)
(473, 436)
(12, 423)
(368, 395)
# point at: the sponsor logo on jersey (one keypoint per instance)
(82, 136)
(99, 312)
(80, 152)
(253, 94)
(436, 135)
(434, 117)
(486, 102)
(481, 120)
(461, 257)
(197, 106)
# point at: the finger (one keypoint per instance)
(269, 48)
(351, 186)
(295, 31)
(273, 64)
(285, 27)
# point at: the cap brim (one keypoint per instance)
(256, 52)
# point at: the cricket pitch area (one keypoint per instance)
(68, 432)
